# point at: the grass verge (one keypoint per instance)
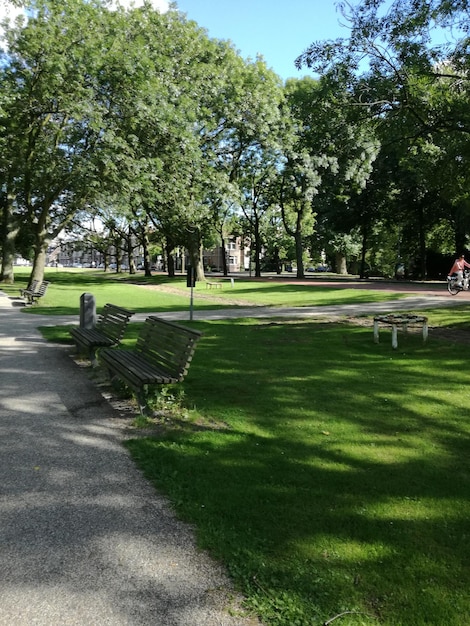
(331, 475)
(159, 293)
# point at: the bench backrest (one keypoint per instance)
(113, 321)
(41, 290)
(168, 346)
(33, 286)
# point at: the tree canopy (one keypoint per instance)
(141, 116)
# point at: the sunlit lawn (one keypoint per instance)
(338, 476)
(330, 474)
(163, 294)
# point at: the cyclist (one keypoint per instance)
(458, 267)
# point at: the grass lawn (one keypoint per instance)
(63, 294)
(330, 474)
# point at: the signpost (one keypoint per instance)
(191, 282)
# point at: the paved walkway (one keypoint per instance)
(84, 539)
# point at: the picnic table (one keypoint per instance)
(402, 320)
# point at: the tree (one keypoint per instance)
(49, 122)
(329, 160)
(242, 141)
(406, 66)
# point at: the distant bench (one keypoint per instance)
(36, 291)
(108, 331)
(161, 356)
(218, 284)
(32, 287)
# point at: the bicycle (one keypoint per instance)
(453, 288)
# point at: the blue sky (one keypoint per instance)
(279, 30)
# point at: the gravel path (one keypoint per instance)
(85, 539)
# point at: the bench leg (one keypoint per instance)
(394, 337)
(376, 332)
(93, 357)
(425, 331)
(142, 401)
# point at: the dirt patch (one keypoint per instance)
(201, 295)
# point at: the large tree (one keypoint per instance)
(406, 66)
(329, 160)
(49, 123)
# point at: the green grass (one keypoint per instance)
(272, 293)
(63, 295)
(338, 476)
(329, 474)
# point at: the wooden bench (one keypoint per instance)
(161, 356)
(32, 287)
(33, 296)
(402, 320)
(108, 331)
(209, 285)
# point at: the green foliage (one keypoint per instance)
(410, 86)
(139, 117)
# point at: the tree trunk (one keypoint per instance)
(146, 255)
(7, 274)
(195, 258)
(10, 232)
(277, 261)
(341, 265)
(422, 243)
(41, 243)
(170, 259)
(130, 255)
(362, 271)
(299, 248)
(258, 246)
(39, 263)
(224, 256)
(299, 254)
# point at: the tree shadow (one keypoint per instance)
(346, 480)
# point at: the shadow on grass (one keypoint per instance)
(343, 480)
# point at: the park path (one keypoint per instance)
(84, 538)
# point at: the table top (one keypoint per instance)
(400, 319)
